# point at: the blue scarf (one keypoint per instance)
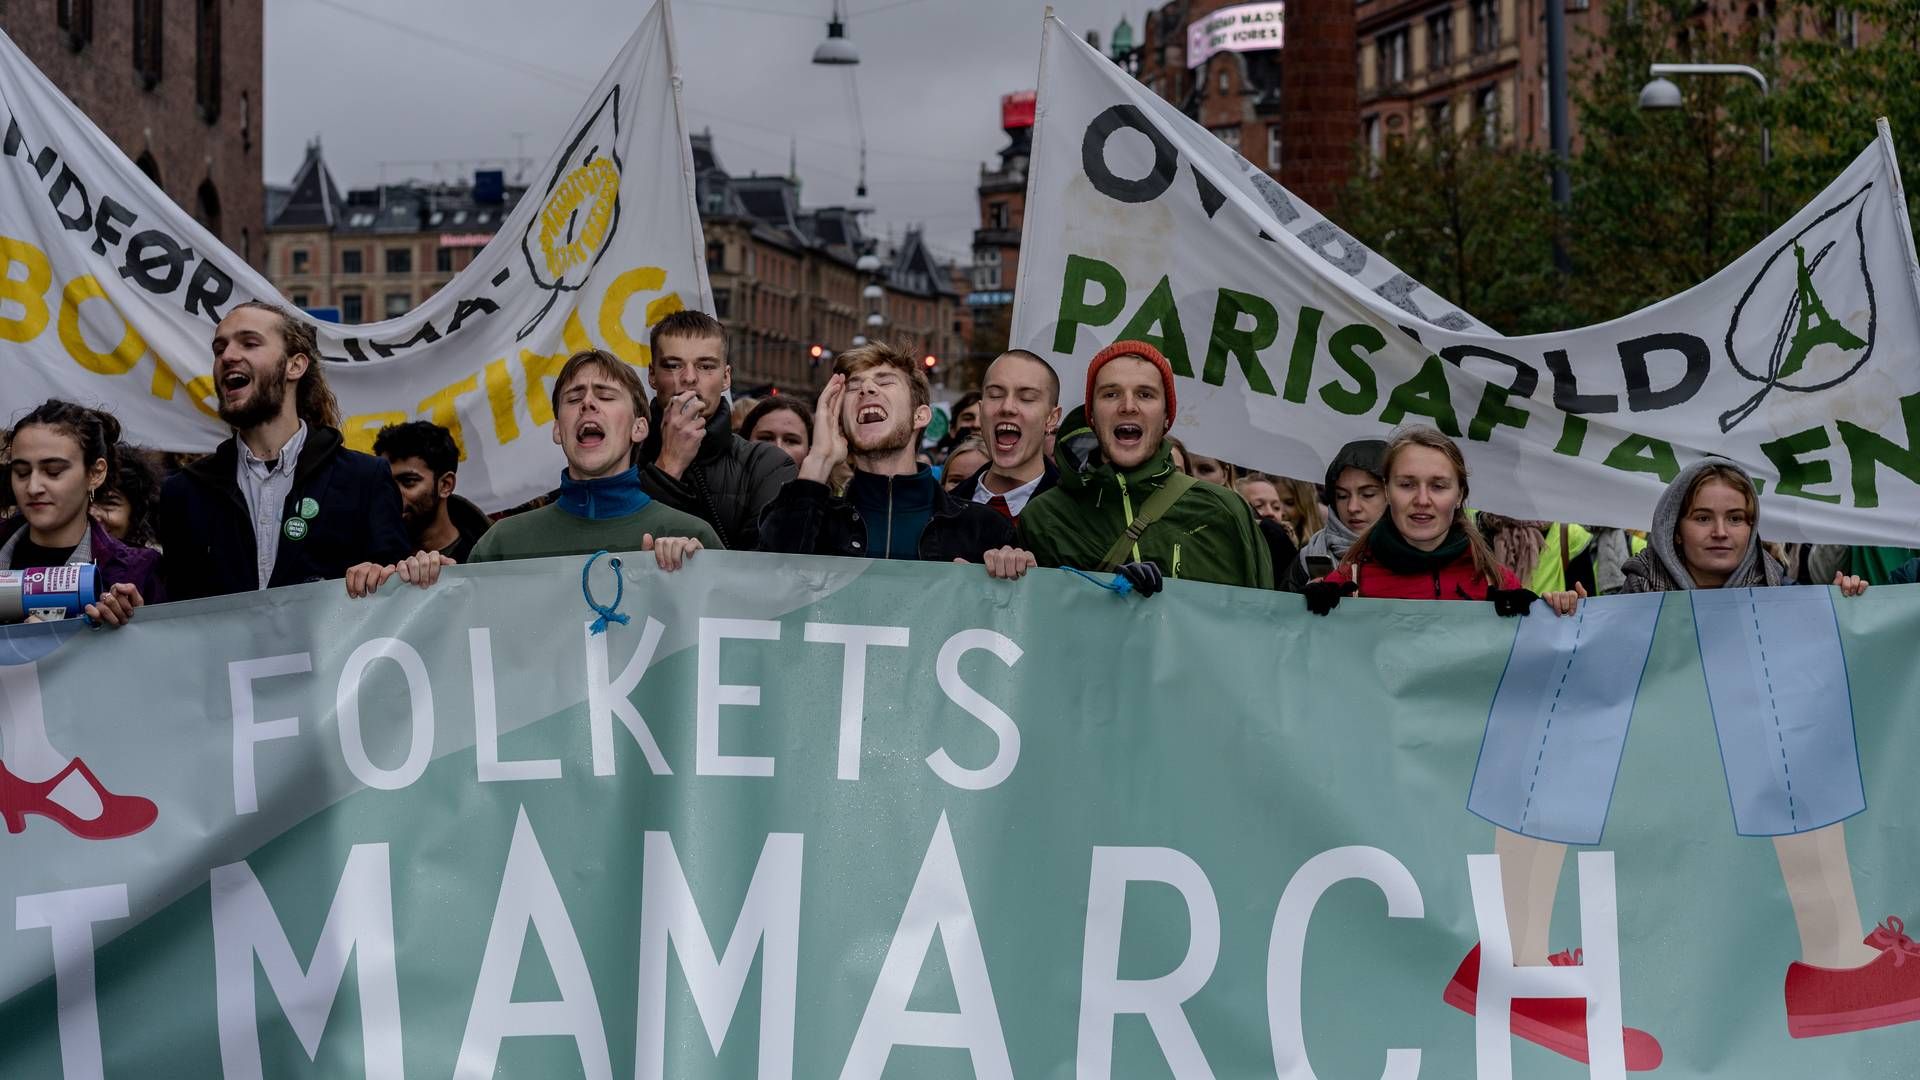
(608, 497)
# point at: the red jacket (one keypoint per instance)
(1455, 581)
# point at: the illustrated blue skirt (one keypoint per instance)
(1776, 684)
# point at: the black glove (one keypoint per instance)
(1143, 576)
(1324, 596)
(1510, 602)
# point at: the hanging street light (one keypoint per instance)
(873, 292)
(867, 264)
(837, 50)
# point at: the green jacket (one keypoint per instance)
(1208, 535)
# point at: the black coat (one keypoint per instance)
(729, 483)
(1049, 476)
(208, 540)
(808, 519)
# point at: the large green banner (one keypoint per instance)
(816, 818)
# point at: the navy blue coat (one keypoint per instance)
(207, 539)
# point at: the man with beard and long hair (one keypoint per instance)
(872, 413)
(283, 501)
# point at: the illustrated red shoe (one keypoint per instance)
(1881, 993)
(1559, 1024)
(120, 815)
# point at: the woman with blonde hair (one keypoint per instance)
(1424, 547)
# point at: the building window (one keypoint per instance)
(206, 66)
(1226, 83)
(300, 256)
(351, 309)
(1440, 117)
(986, 269)
(397, 304)
(1846, 28)
(76, 18)
(716, 258)
(209, 206)
(722, 303)
(1273, 147)
(996, 215)
(1486, 25)
(443, 260)
(1229, 134)
(1486, 111)
(1374, 135)
(246, 121)
(1440, 39)
(399, 261)
(302, 300)
(1392, 58)
(148, 46)
(352, 261)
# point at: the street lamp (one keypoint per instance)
(1661, 93)
(836, 50)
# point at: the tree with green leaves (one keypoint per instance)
(1471, 221)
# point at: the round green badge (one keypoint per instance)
(308, 509)
(295, 528)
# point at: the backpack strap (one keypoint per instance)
(1156, 505)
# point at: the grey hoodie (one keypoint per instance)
(1661, 569)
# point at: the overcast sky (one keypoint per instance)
(434, 88)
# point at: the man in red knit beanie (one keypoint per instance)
(1120, 504)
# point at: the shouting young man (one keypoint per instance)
(1021, 402)
(1121, 505)
(283, 501)
(872, 413)
(598, 418)
(691, 460)
(426, 462)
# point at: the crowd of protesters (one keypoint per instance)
(1014, 485)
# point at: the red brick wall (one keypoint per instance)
(165, 120)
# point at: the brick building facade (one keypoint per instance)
(377, 253)
(1289, 110)
(177, 88)
(996, 243)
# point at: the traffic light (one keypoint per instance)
(816, 353)
(930, 361)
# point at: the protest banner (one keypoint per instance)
(110, 292)
(1289, 339)
(454, 832)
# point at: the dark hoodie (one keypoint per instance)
(1208, 534)
(729, 484)
(1324, 549)
(1661, 568)
(472, 524)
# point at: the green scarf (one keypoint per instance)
(1392, 551)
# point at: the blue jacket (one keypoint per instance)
(208, 541)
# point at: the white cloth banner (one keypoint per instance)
(111, 292)
(1289, 339)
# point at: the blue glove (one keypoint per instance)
(1144, 577)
